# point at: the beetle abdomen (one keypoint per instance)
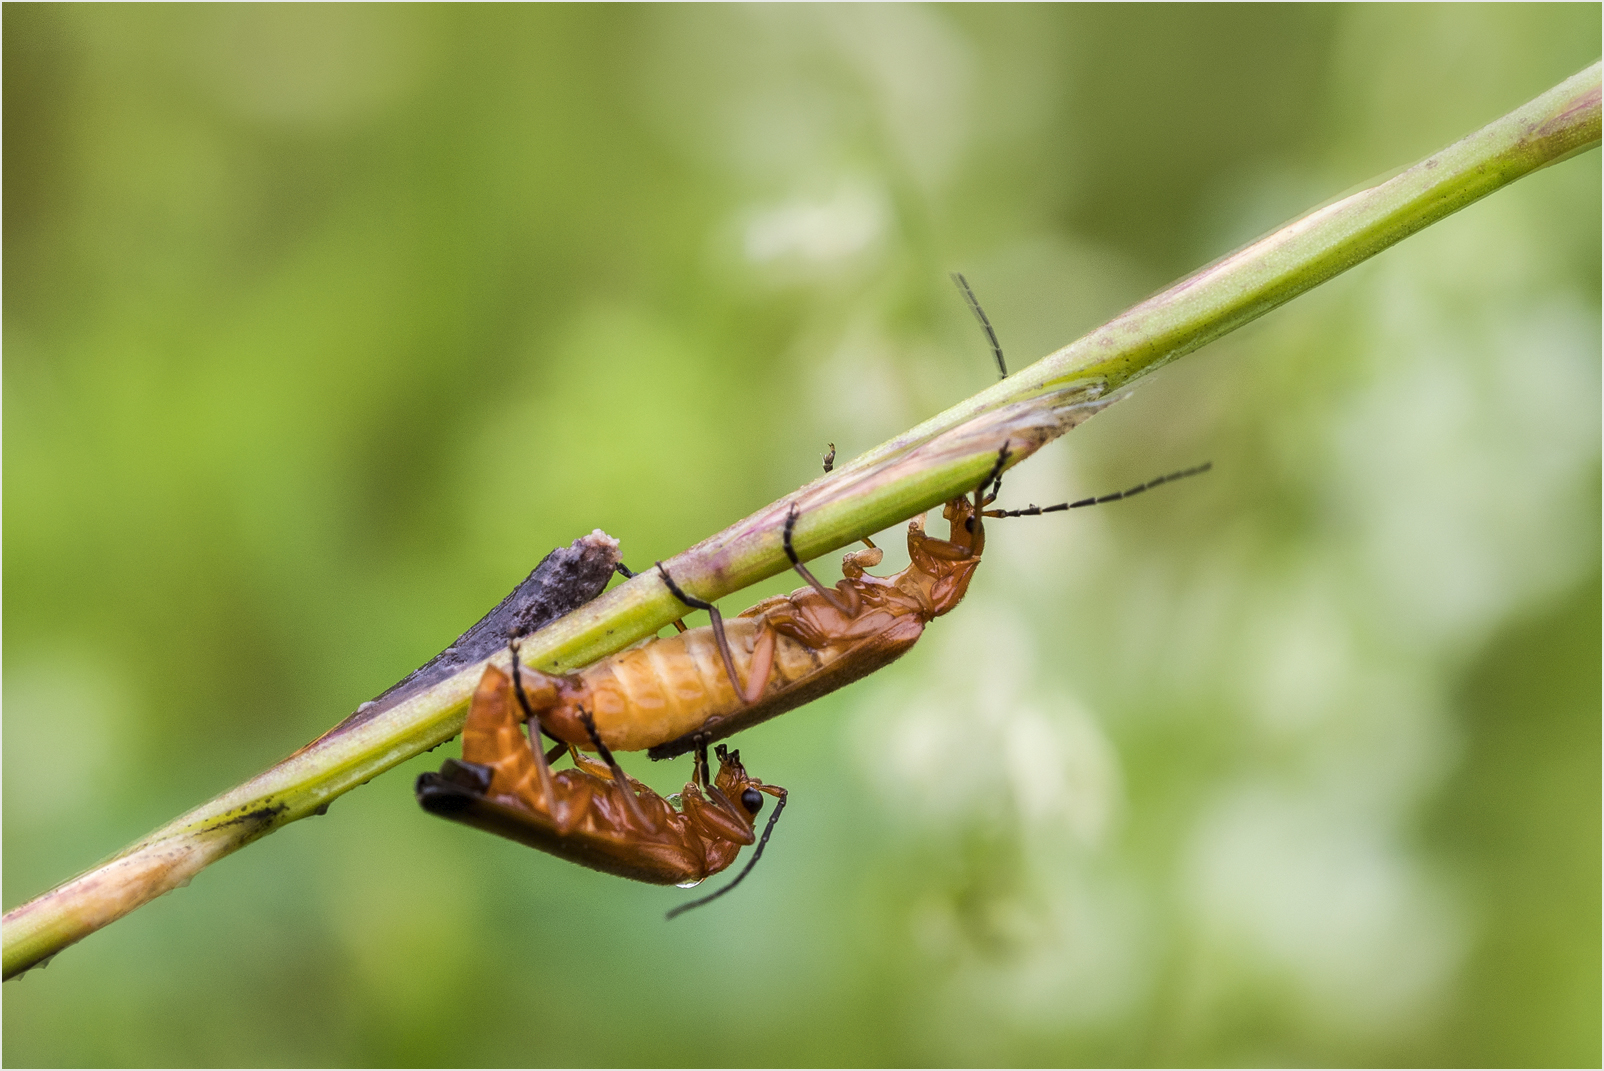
(666, 688)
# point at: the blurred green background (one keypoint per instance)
(323, 324)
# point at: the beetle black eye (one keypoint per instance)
(752, 800)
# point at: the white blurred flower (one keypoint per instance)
(975, 742)
(817, 231)
(1294, 888)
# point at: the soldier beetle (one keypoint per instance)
(680, 693)
(791, 649)
(670, 695)
(594, 814)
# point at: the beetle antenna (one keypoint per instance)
(750, 863)
(980, 314)
(1036, 511)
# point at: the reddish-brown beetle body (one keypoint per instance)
(592, 814)
(670, 694)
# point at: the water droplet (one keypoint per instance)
(674, 801)
(688, 884)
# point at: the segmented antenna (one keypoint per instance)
(980, 314)
(1036, 511)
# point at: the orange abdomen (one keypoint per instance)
(664, 688)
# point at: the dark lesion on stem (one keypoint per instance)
(565, 580)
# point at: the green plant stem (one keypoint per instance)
(921, 468)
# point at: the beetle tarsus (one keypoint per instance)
(701, 773)
(993, 480)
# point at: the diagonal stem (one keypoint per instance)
(940, 458)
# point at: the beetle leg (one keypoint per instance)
(738, 830)
(854, 563)
(629, 574)
(993, 480)
(573, 804)
(784, 620)
(715, 793)
(700, 774)
(585, 764)
(944, 550)
(718, 625)
(720, 818)
(566, 806)
(560, 810)
(852, 604)
(517, 769)
(548, 791)
(761, 666)
(986, 498)
(620, 778)
(491, 736)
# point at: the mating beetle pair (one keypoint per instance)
(682, 692)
